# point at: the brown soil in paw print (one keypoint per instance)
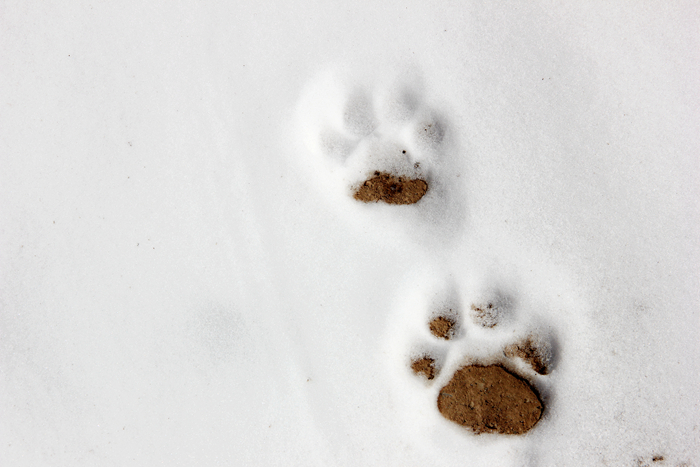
(486, 315)
(490, 399)
(442, 327)
(424, 366)
(531, 353)
(391, 189)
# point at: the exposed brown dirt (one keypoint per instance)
(424, 366)
(391, 189)
(442, 327)
(490, 399)
(528, 350)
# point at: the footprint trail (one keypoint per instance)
(381, 152)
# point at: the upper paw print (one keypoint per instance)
(377, 146)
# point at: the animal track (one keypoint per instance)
(490, 399)
(490, 310)
(487, 393)
(534, 350)
(424, 366)
(443, 327)
(378, 146)
(390, 189)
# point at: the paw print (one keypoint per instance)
(373, 146)
(483, 366)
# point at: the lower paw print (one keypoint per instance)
(488, 382)
(383, 146)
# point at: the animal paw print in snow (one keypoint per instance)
(381, 145)
(491, 396)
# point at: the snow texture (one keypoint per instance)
(185, 278)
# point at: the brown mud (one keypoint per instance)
(391, 189)
(528, 350)
(442, 327)
(424, 366)
(490, 399)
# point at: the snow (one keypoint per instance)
(185, 278)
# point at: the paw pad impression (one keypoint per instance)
(490, 399)
(442, 327)
(533, 352)
(391, 189)
(424, 366)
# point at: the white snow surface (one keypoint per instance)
(186, 280)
